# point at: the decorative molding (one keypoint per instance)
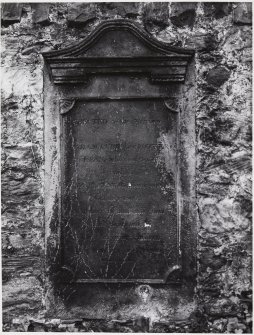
(176, 269)
(172, 104)
(126, 281)
(66, 105)
(161, 62)
(172, 276)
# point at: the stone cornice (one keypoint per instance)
(164, 64)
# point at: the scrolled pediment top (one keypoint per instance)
(79, 49)
(118, 47)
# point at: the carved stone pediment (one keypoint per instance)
(118, 47)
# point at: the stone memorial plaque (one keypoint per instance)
(119, 198)
(119, 189)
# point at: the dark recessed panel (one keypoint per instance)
(119, 198)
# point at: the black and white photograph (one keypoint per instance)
(126, 154)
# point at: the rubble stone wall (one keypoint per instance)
(221, 34)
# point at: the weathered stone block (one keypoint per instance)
(240, 162)
(217, 76)
(41, 13)
(217, 10)
(11, 13)
(242, 14)
(223, 129)
(26, 156)
(209, 240)
(208, 259)
(156, 13)
(20, 190)
(30, 50)
(221, 216)
(234, 326)
(21, 81)
(239, 38)
(212, 285)
(37, 327)
(203, 42)
(210, 43)
(247, 56)
(222, 308)
(79, 14)
(124, 9)
(183, 14)
(20, 295)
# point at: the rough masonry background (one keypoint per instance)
(221, 34)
